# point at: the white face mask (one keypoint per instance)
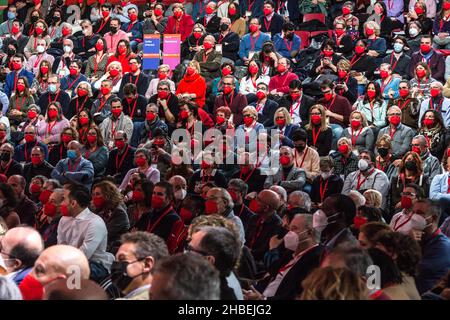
(326, 175)
(363, 165)
(40, 49)
(418, 222)
(85, 32)
(67, 49)
(321, 221)
(180, 194)
(413, 32)
(292, 240)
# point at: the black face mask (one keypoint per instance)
(223, 27)
(113, 29)
(11, 52)
(34, 19)
(383, 152)
(5, 156)
(300, 148)
(60, 3)
(56, 19)
(289, 36)
(119, 275)
(411, 165)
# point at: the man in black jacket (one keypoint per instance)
(237, 189)
(228, 40)
(271, 22)
(37, 165)
(264, 106)
(210, 20)
(297, 103)
(121, 158)
(147, 130)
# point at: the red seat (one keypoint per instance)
(304, 36)
(444, 52)
(314, 16)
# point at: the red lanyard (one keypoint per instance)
(136, 81)
(74, 166)
(264, 69)
(16, 76)
(253, 43)
(231, 100)
(102, 25)
(323, 188)
(83, 41)
(360, 183)
(203, 178)
(441, 23)
(404, 104)
(22, 99)
(379, 166)
(383, 86)
(113, 130)
(177, 26)
(267, 25)
(392, 132)
(292, 111)
(241, 175)
(131, 113)
(353, 61)
(120, 162)
(50, 127)
(250, 4)
(158, 221)
(354, 138)
(289, 47)
(220, 38)
(56, 97)
(259, 107)
(402, 224)
(70, 85)
(439, 105)
(257, 233)
(102, 104)
(395, 64)
(382, 19)
(26, 150)
(315, 136)
(96, 63)
(130, 26)
(82, 106)
(303, 159)
(331, 103)
(6, 169)
(39, 58)
(205, 57)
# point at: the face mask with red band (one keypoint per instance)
(285, 160)
(98, 201)
(343, 149)
(157, 202)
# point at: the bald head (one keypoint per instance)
(270, 198)
(60, 261)
(24, 244)
(88, 290)
(177, 180)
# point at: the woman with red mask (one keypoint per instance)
(95, 151)
(180, 22)
(384, 160)
(49, 129)
(19, 102)
(59, 151)
(40, 32)
(373, 106)
(222, 121)
(107, 202)
(238, 24)
(96, 64)
(344, 159)
(346, 85)
(380, 16)
(248, 131)
(342, 39)
(409, 105)
(83, 122)
(418, 13)
(376, 45)
(82, 99)
(327, 60)
(35, 186)
(113, 73)
(362, 64)
(359, 132)
(123, 55)
(441, 27)
(254, 76)
(32, 118)
(388, 83)
(39, 85)
(420, 84)
(193, 43)
(433, 129)
(226, 69)
(193, 86)
(319, 132)
(142, 160)
(164, 73)
(140, 201)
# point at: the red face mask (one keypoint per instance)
(44, 69)
(207, 45)
(260, 94)
(197, 35)
(82, 92)
(162, 75)
(406, 202)
(64, 210)
(425, 48)
(98, 201)
(122, 51)
(137, 196)
(186, 215)
(134, 67)
(371, 93)
(29, 138)
(184, 115)
(295, 96)
(369, 31)
(65, 32)
(49, 209)
(190, 71)
(20, 87)
(16, 66)
(84, 121)
(267, 11)
(105, 90)
(342, 74)
(150, 116)
(428, 122)
(157, 202)
(15, 29)
(133, 17)
(416, 150)
(233, 195)
(116, 112)
(421, 73)
(248, 121)
(355, 124)
(254, 206)
(418, 10)
(44, 196)
(39, 30)
(114, 72)
(285, 160)
(226, 71)
(36, 160)
(66, 138)
(141, 162)
(163, 94)
(253, 28)
(2, 135)
(99, 46)
(31, 288)
(281, 68)
(91, 139)
(205, 165)
(316, 119)
(178, 14)
(403, 92)
(339, 32)
(105, 14)
(73, 71)
(35, 188)
(346, 11)
(220, 120)
(209, 10)
(227, 89)
(157, 12)
(119, 144)
(211, 207)
(52, 113)
(384, 74)
(328, 96)
(281, 122)
(359, 50)
(343, 149)
(328, 53)
(395, 120)
(434, 92)
(359, 221)
(446, 6)
(231, 11)
(32, 114)
(253, 69)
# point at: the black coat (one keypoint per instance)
(230, 45)
(141, 83)
(30, 171)
(212, 26)
(306, 103)
(266, 117)
(139, 106)
(401, 65)
(275, 25)
(117, 168)
(335, 184)
(323, 143)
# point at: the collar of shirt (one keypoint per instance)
(137, 291)
(213, 173)
(84, 215)
(333, 240)
(270, 16)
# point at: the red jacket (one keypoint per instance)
(124, 61)
(186, 24)
(281, 82)
(193, 84)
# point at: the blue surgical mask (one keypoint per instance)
(52, 88)
(398, 47)
(71, 154)
(11, 15)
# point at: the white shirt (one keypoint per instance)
(87, 232)
(295, 111)
(401, 222)
(153, 87)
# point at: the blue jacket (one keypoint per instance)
(281, 47)
(82, 174)
(9, 82)
(73, 82)
(141, 132)
(439, 187)
(19, 151)
(245, 46)
(136, 31)
(391, 85)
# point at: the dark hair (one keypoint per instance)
(371, 230)
(355, 258)
(146, 244)
(390, 273)
(79, 193)
(116, 19)
(188, 277)
(420, 193)
(383, 6)
(299, 135)
(27, 256)
(346, 206)
(371, 213)
(437, 118)
(116, 99)
(222, 244)
(147, 189)
(288, 26)
(295, 84)
(137, 58)
(10, 195)
(327, 83)
(239, 184)
(19, 55)
(328, 43)
(198, 203)
(167, 188)
(370, 153)
(129, 88)
(377, 92)
(191, 106)
(270, 2)
(78, 62)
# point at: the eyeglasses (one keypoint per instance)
(189, 248)
(408, 194)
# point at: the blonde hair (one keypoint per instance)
(194, 64)
(386, 139)
(323, 120)
(363, 117)
(114, 63)
(333, 284)
(373, 196)
(344, 64)
(286, 114)
(373, 25)
(252, 111)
